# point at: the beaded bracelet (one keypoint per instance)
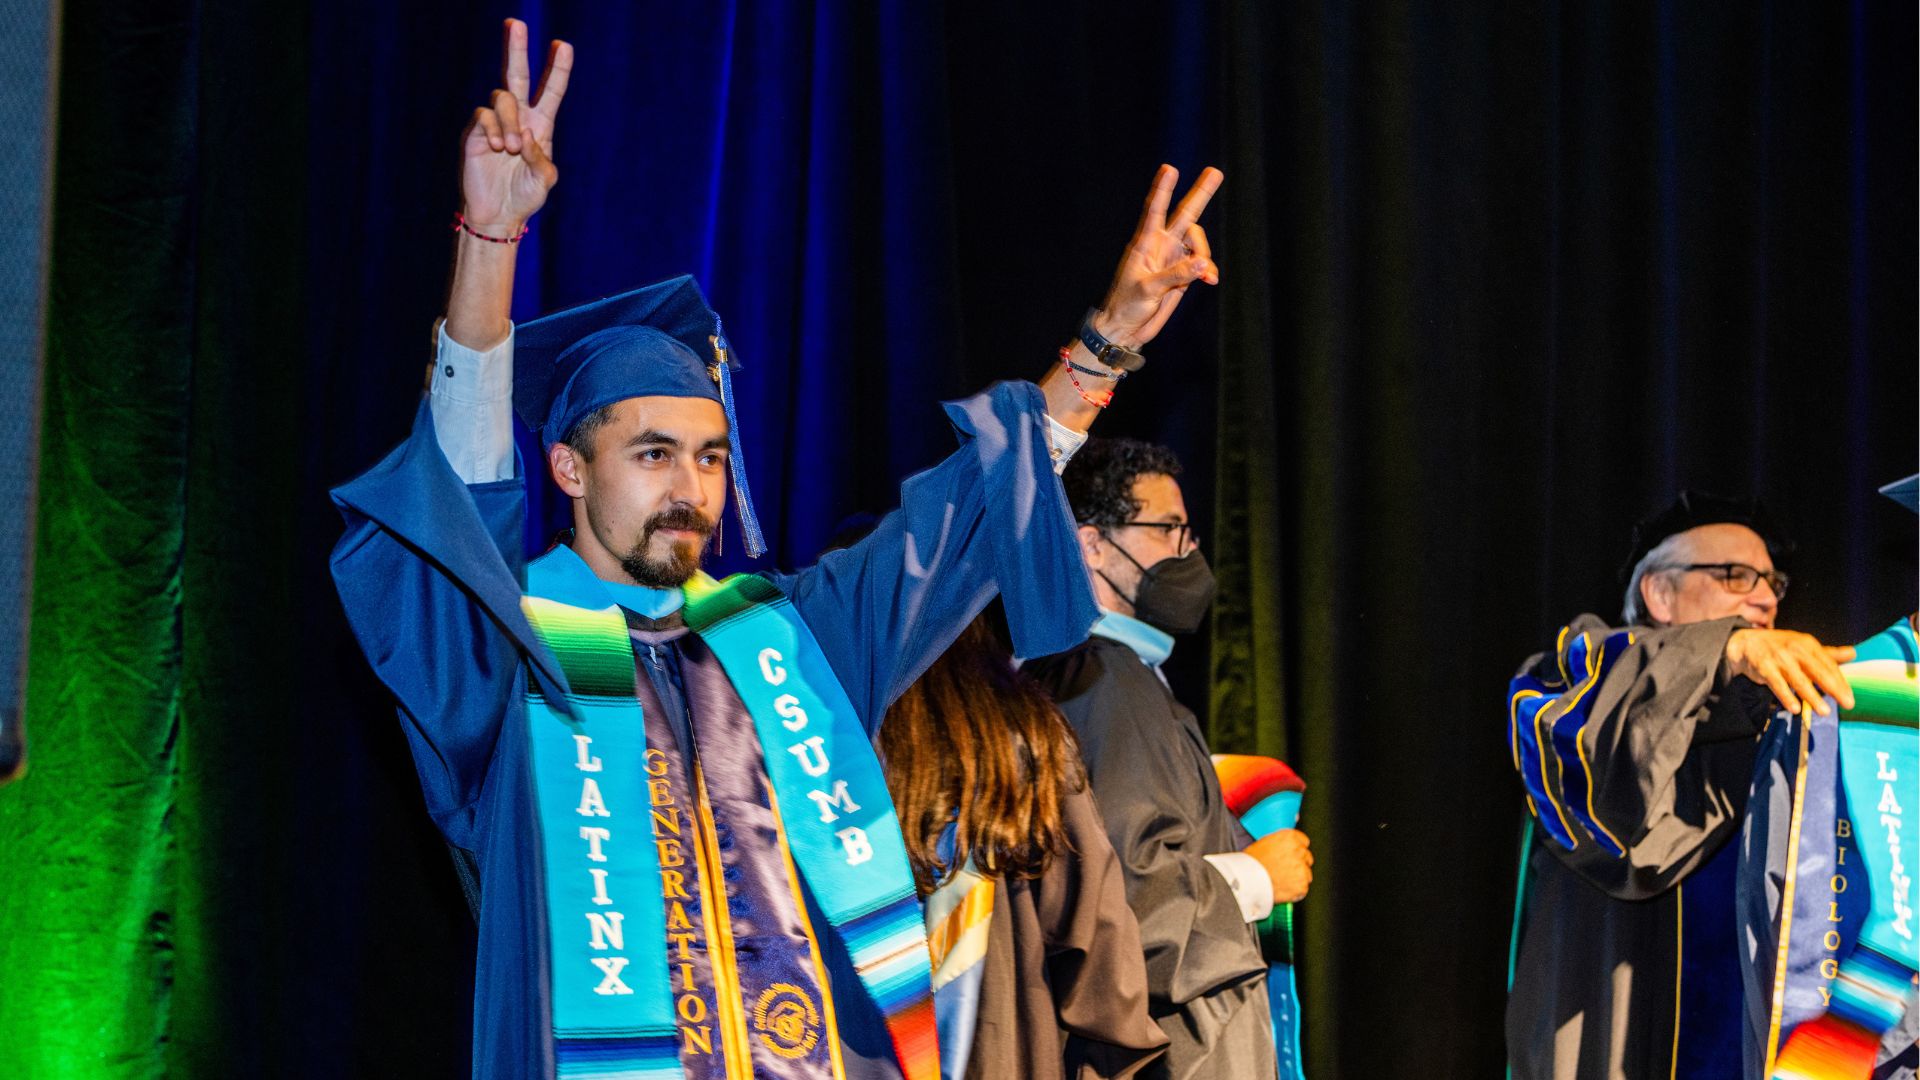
(460, 225)
(1114, 373)
(1066, 360)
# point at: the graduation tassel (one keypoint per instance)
(756, 543)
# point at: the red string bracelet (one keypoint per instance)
(460, 225)
(1066, 360)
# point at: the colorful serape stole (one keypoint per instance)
(1879, 767)
(832, 796)
(606, 928)
(1265, 795)
(959, 917)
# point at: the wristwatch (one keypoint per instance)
(1114, 356)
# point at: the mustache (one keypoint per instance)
(679, 517)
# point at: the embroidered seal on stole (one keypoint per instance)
(786, 1021)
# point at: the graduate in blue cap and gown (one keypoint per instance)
(687, 863)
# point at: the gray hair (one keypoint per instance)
(1664, 556)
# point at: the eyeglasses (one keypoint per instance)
(1182, 532)
(1739, 578)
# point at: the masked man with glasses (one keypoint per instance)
(1637, 746)
(1197, 882)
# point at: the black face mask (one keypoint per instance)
(1174, 593)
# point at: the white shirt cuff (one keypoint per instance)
(1062, 443)
(1249, 881)
(471, 396)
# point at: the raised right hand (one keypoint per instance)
(1288, 862)
(506, 152)
(1795, 666)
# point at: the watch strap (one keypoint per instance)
(1114, 356)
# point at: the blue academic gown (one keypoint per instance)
(430, 572)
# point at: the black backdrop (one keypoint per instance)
(1528, 273)
(1496, 281)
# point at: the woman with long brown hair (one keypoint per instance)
(1038, 969)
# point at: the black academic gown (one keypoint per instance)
(1153, 778)
(1616, 951)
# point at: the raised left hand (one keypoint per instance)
(1166, 255)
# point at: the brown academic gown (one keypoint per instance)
(1064, 994)
(1605, 963)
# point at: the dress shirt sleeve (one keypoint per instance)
(1062, 443)
(471, 396)
(1249, 881)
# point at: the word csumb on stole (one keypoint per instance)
(690, 1004)
(608, 933)
(812, 755)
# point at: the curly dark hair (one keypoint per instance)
(1099, 479)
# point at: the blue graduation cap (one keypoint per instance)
(657, 341)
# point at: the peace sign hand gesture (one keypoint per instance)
(506, 153)
(1166, 255)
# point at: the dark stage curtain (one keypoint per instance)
(1509, 277)
(1493, 285)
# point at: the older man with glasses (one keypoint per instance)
(1637, 747)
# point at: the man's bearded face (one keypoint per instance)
(650, 496)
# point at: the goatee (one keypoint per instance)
(682, 560)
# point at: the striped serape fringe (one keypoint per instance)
(889, 952)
